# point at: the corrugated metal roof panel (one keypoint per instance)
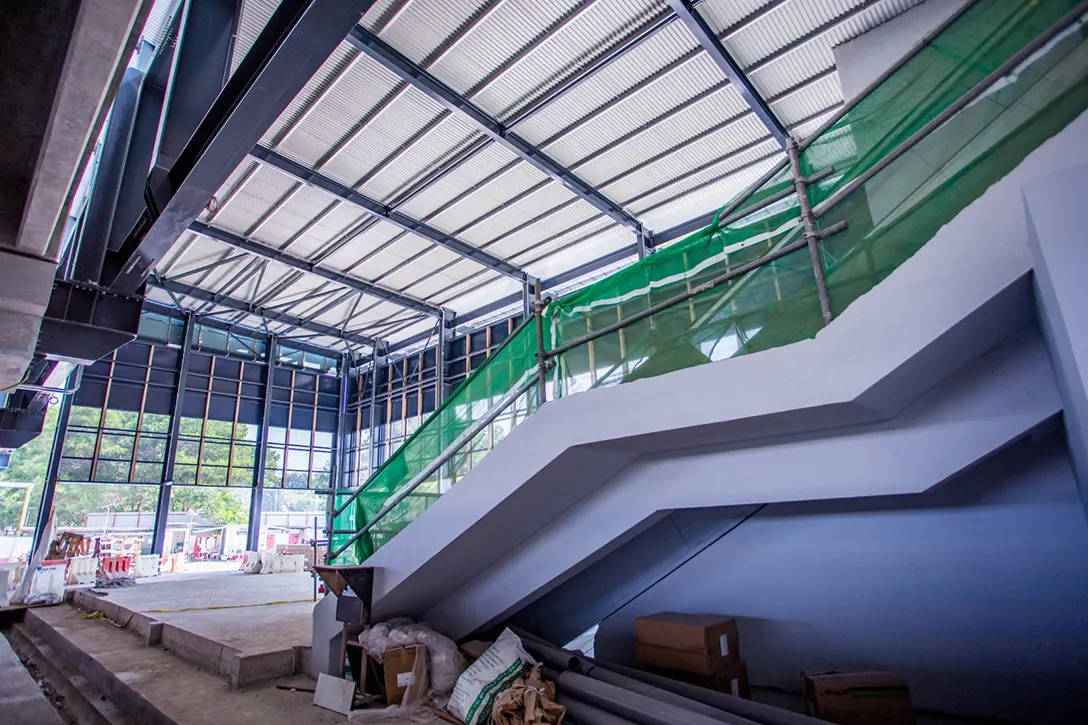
(680, 164)
(514, 214)
(576, 218)
(480, 167)
(490, 199)
(712, 191)
(230, 187)
(421, 27)
(251, 21)
(642, 61)
(512, 26)
(340, 68)
(658, 99)
(473, 294)
(562, 254)
(253, 200)
(717, 111)
(448, 137)
(810, 100)
(592, 32)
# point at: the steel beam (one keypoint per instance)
(713, 47)
(254, 247)
(401, 66)
(202, 53)
(162, 509)
(45, 506)
(267, 313)
(244, 330)
(95, 233)
(291, 48)
(383, 211)
(256, 498)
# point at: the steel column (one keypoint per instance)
(371, 465)
(339, 451)
(162, 509)
(401, 66)
(713, 47)
(643, 243)
(441, 389)
(256, 499)
(291, 48)
(49, 486)
(812, 235)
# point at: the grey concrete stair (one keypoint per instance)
(152, 686)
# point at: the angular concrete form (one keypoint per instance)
(1059, 249)
(904, 369)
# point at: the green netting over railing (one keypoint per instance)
(889, 217)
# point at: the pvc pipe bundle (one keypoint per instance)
(596, 693)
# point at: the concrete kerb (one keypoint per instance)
(240, 668)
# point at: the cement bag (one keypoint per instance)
(475, 692)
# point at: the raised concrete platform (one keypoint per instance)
(246, 628)
(154, 687)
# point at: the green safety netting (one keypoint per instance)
(889, 218)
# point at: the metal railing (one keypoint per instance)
(733, 212)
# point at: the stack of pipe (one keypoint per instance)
(597, 693)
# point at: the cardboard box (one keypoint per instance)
(733, 680)
(858, 698)
(702, 644)
(407, 678)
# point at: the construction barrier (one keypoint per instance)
(172, 562)
(82, 570)
(251, 563)
(145, 565)
(111, 568)
(273, 563)
(49, 578)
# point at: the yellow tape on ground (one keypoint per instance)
(223, 606)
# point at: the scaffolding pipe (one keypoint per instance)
(355, 492)
(962, 102)
(708, 702)
(627, 704)
(459, 442)
(693, 292)
(585, 714)
(541, 354)
(812, 235)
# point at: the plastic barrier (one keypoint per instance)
(82, 570)
(145, 565)
(273, 563)
(251, 563)
(111, 568)
(49, 579)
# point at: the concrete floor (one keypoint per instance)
(21, 700)
(244, 611)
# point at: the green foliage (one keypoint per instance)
(73, 501)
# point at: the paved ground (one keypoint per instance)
(21, 700)
(245, 611)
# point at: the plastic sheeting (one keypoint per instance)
(888, 219)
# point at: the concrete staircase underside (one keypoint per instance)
(896, 396)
